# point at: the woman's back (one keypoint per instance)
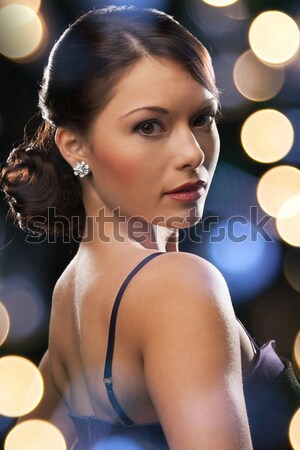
(82, 305)
(80, 327)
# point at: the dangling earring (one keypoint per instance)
(81, 169)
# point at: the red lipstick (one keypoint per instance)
(188, 191)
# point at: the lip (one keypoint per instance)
(187, 187)
(188, 191)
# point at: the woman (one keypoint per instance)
(144, 345)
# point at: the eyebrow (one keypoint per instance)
(147, 108)
(203, 108)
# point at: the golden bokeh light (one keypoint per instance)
(21, 31)
(4, 323)
(291, 268)
(21, 386)
(264, 83)
(294, 433)
(276, 186)
(296, 352)
(267, 135)
(220, 3)
(32, 4)
(35, 435)
(274, 37)
(288, 221)
(290, 208)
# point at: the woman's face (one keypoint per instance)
(157, 133)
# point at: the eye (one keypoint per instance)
(149, 127)
(205, 120)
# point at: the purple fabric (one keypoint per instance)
(267, 367)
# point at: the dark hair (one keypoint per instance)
(84, 66)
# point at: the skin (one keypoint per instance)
(172, 375)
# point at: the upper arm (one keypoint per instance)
(52, 407)
(191, 355)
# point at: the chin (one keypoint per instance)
(180, 220)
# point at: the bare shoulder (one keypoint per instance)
(195, 265)
(187, 279)
(183, 292)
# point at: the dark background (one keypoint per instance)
(272, 312)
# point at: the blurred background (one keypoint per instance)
(251, 226)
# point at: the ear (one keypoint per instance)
(71, 146)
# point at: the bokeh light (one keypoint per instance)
(290, 207)
(274, 37)
(291, 267)
(294, 433)
(296, 352)
(267, 135)
(21, 31)
(264, 83)
(288, 221)
(4, 323)
(220, 3)
(35, 435)
(233, 193)
(276, 186)
(231, 98)
(213, 23)
(26, 309)
(21, 386)
(32, 4)
(236, 11)
(248, 262)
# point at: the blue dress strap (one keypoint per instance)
(107, 379)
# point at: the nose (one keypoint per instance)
(189, 152)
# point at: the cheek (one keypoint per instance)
(116, 167)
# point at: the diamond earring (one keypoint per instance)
(81, 169)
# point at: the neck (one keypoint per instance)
(105, 226)
(108, 229)
(166, 238)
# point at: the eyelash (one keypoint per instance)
(211, 115)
